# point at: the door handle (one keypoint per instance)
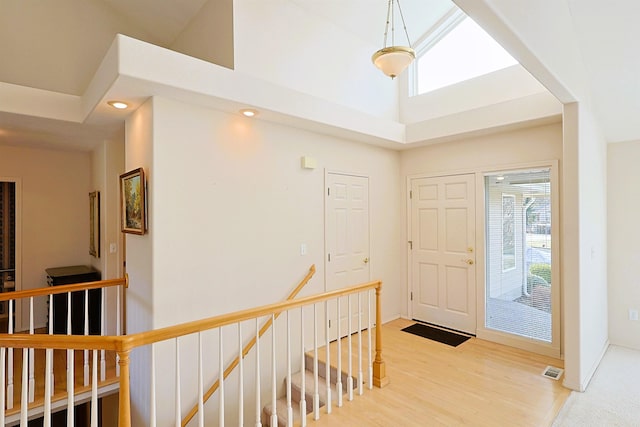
(468, 261)
(366, 260)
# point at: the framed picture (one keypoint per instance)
(133, 201)
(94, 224)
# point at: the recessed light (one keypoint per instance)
(118, 104)
(249, 112)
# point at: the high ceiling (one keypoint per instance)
(586, 47)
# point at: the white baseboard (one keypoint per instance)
(584, 383)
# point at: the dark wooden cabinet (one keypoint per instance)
(66, 276)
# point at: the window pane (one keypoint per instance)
(467, 51)
(518, 253)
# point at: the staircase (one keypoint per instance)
(296, 392)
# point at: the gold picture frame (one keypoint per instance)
(133, 202)
(94, 224)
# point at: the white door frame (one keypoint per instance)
(18, 273)
(553, 349)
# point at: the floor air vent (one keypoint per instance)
(552, 372)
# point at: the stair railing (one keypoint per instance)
(247, 348)
(61, 294)
(124, 345)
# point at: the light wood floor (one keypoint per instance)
(477, 383)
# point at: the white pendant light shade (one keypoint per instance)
(393, 60)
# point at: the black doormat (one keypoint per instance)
(435, 334)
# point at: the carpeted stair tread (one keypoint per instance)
(322, 370)
(296, 388)
(296, 391)
(281, 411)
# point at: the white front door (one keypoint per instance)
(347, 240)
(443, 287)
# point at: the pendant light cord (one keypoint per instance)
(404, 25)
(390, 20)
(386, 27)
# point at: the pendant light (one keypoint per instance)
(392, 60)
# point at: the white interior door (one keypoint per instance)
(443, 287)
(347, 242)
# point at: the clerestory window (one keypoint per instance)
(455, 50)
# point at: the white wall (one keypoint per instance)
(282, 43)
(623, 200)
(230, 206)
(209, 35)
(234, 205)
(584, 257)
(55, 214)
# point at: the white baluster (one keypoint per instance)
(200, 383)
(240, 377)
(51, 390)
(152, 406)
(327, 362)
(369, 360)
(339, 367)
(274, 397)
(178, 403)
(10, 360)
(360, 376)
(303, 386)
(71, 366)
(349, 370)
(289, 407)
(94, 390)
(24, 405)
(316, 394)
(118, 327)
(258, 419)
(70, 381)
(221, 373)
(103, 360)
(86, 332)
(32, 378)
(48, 386)
(3, 356)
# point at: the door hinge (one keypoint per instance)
(410, 244)
(411, 194)
(329, 322)
(411, 296)
(329, 257)
(328, 191)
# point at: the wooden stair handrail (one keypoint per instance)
(247, 348)
(129, 342)
(63, 289)
(150, 337)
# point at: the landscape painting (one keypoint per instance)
(132, 188)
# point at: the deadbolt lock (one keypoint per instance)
(470, 249)
(366, 260)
